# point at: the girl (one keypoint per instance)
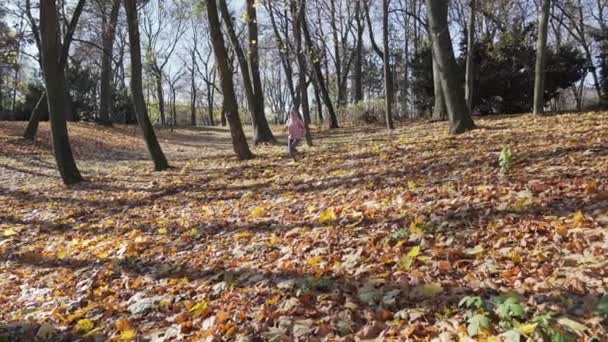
(295, 127)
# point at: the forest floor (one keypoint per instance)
(404, 235)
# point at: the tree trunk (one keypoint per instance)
(358, 72)
(541, 58)
(440, 112)
(160, 97)
(54, 80)
(469, 80)
(443, 53)
(302, 97)
(137, 94)
(105, 97)
(35, 117)
(388, 78)
(262, 128)
(313, 55)
(250, 72)
(230, 107)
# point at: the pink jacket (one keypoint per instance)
(295, 126)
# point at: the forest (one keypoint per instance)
(304, 170)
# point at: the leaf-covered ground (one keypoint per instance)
(405, 235)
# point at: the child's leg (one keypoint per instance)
(290, 147)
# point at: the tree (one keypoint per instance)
(443, 54)
(541, 57)
(250, 70)
(137, 94)
(230, 106)
(388, 79)
(470, 67)
(54, 80)
(109, 33)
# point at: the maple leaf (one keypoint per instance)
(84, 326)
(407, 261)
(327, 216)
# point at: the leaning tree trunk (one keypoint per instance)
(440, 112)
(443, 53)
(470, 67)
(541, 58)
(137, 93)
(302, 88)
(54, 80)
(230, 106)
(105, 96)
(35, 117)
(262, 132)
(388, 78)
(316, 64)
(249, 69)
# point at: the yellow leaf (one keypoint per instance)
(128, 335)
(84, 326)
(417, 227)
(162, 231)
(515, 256)
(242, 236)
(62, 254)
(579, 218)
(8, 232)
(194, 232)
(327, 216)
(258, 212)
(314, 260)
(407, 261)
(527, 329)
(311, 209)
(561, 230)
(123, 324)
(199, 309)
(412, 185)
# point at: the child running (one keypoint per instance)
(295, 127)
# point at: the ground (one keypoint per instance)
(404, 235)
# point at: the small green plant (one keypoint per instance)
(400, 234)
(505, 160)
(602, 306)
(477, 317)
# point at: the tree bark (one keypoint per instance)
(35, 117)
(250, 72)
(333, 119)
(54, 80)
(358, 67)
(262, 132)
(388, 78)
(302, 89)
(137, 94)
(470, 67)
(230, 107)
(541, 58)
(105, 96)
(440, 112)
(443, 53)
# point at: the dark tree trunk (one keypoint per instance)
(230, 107)
(302, 96)
(54, 80)
(250, 72)
(35, 117)
(358, 72)
(388, 78)
(105, 96)
(541, 58)
(160, 95)
(443, 53)
(316, 64)
(470, 67)
(137, 94)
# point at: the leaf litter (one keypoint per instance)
(373, 235)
